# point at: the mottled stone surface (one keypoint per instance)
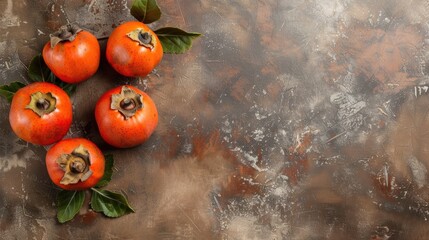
(287, 119)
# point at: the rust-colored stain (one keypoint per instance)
(383, 184)
(206, 143)
(387, 56)
(88, 218)
(297, 160)
(296, 168)
(238, 183)
(240, 88)
(172, 141)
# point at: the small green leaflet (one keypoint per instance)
(146, 11)
(69, 204)
(109, 203)
(38, 71)
(8, 91)
(175, 40)
(108, 171)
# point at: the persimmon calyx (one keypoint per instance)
(42, 103)
(75, 166)
(143, 38)
(65, 33)
(128, 102)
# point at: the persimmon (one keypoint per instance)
(133, 49)
(126, 116)
(75, 164)
(40, 113)
(72, 54)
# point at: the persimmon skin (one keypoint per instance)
(73, 61)
(29, 126)
(125, 133)
(66, 146)
(129, 58)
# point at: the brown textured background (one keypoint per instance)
(287, 119)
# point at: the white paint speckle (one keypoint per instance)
(8, 19)
(258, 135)
(12, 161)
(418, 170)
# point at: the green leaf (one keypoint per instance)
(109, 203)
(38, 71)
(68, 88)
(108, 171)
(8, 91)
(175, 40)
(146, 11)
(69, 204)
